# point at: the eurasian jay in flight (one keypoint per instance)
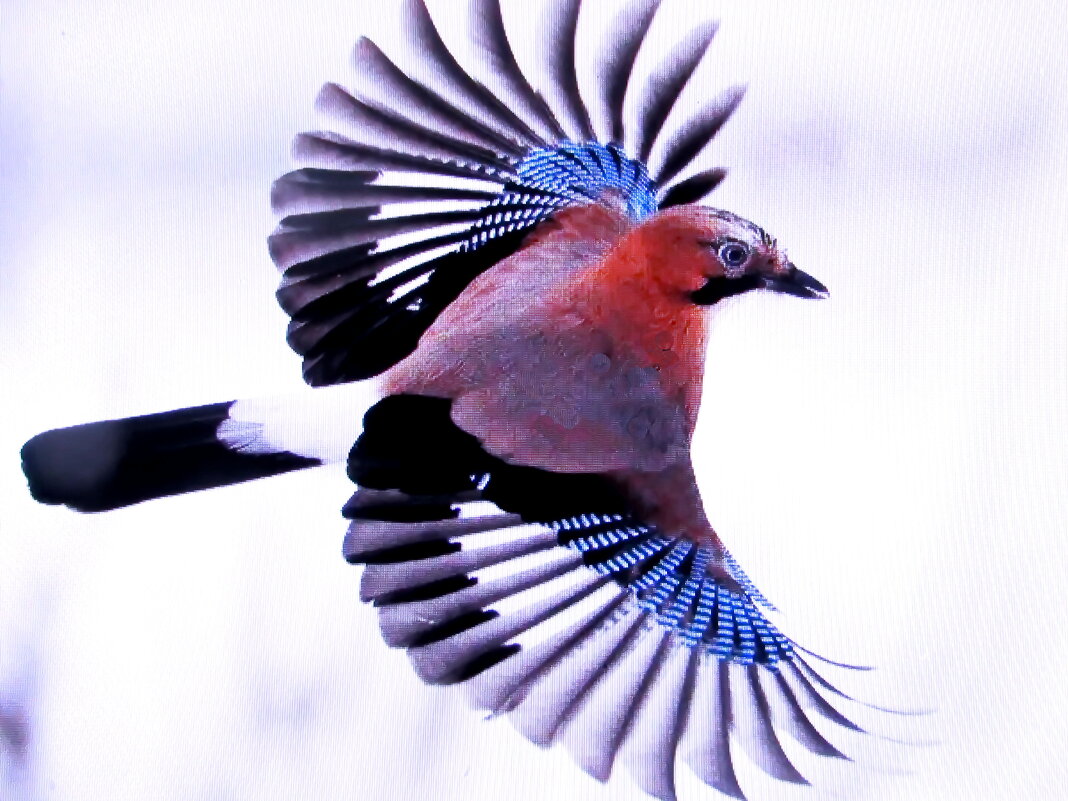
(526, 507)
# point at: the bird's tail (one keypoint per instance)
(108, 464)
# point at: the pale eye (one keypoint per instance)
(733, 254)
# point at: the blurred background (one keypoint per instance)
(890, 466)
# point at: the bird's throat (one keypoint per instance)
(656, 326)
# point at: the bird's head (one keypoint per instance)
(709, 255)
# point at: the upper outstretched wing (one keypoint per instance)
(425, 174)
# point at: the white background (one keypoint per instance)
(890, 465)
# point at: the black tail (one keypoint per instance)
(113, 463)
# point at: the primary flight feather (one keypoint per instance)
(527, 510)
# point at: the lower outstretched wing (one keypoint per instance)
(551, 603)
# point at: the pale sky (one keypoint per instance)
(890, 465)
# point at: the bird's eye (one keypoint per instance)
(733, 254)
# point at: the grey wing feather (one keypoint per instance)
(557, 63)
(370, 126)
(706, 744)
(380, 83)
(302, 237)
(677, 150)
(615, 65)
(504, 686)
(752, 726)
(330, 150)
(693, 189)
(649, 751)
(443, 661)
(654, 98)
(436, 68)
(539, 715)
(501, 72)
(809, 697)
(382, 581)
(597, 725)
(366, 538)
(406, 624)
(308, 191)
(320, 280)
(790, 716)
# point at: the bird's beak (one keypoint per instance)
(795, 282)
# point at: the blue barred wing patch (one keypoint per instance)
(670, 578)
(589, 172)
(551, 178)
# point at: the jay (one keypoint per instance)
(520, 267)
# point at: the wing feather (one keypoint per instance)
(381, 84)
(557, 65)
(652, 99)
(445, 661)
(539, 714)
(312, 190)
(502, 688)
(677, 150)
(752, 727)
(649, 751)
(600, 719)
(435, 67)
(612, 644)
(369, 126)
(330, 150)
(614, 66)
(693, 189)
(790, 716)
(500, 71)
(707, 739)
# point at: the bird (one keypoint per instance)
(526, 270)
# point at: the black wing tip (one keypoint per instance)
(693, 189)
(398, 507)
(828, 661)
(806, 669)
(699, 132)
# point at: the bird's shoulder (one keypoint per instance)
(512, 293)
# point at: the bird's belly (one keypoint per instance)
(567, 401)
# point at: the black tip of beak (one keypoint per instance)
(797, 283)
